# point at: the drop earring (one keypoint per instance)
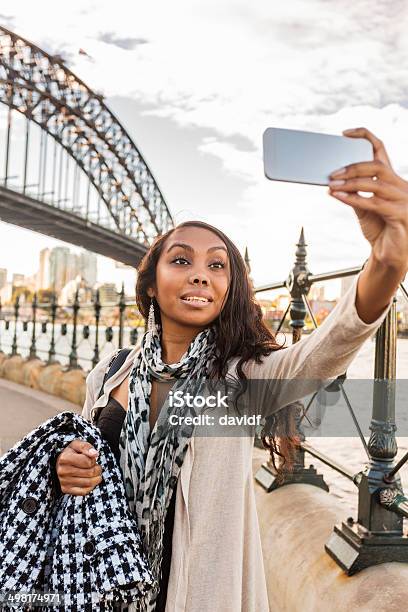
(151, 321)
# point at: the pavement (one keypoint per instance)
(22, 409)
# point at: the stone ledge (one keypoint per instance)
(296, 521)
(54, 379)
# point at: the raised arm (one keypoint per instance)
(383, 219)
(292, 373)
(382, 213)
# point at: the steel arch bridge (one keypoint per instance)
(71, 171)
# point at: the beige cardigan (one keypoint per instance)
(217, 562)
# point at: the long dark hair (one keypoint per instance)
(241, 333)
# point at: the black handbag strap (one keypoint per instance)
(115, 365)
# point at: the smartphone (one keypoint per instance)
(310, 157)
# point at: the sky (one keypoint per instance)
(197, 82)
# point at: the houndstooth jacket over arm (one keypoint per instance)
(85, 547)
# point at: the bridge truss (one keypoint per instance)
(77, 133)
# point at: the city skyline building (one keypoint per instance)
(72, 267)
(43, 274)
(317, 293)
(3, 277)
(58, 268)
(108, 293)
(88, 267)
(18, 280)
(6, 293)
(65, 266)
(67, 293)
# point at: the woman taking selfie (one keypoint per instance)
(194, 496)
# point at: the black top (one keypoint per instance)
(110, 421)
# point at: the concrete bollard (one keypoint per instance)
(295, 522)
(12, 369)
(49, 379)
(73, 386)
(3, 359)
(53, 379)
(31, 372)
(67, 384)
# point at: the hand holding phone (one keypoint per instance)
(309, 157)
(362, 178)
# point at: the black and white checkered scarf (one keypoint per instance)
(151, 470)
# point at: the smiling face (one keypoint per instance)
(192, 279)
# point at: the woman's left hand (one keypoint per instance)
(383, 217)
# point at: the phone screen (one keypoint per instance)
(310, 157)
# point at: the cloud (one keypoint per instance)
(127, 43)
(232, 67)
(7, 20)
(228, 70)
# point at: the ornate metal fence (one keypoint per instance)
(377, 534)
(77, 335)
